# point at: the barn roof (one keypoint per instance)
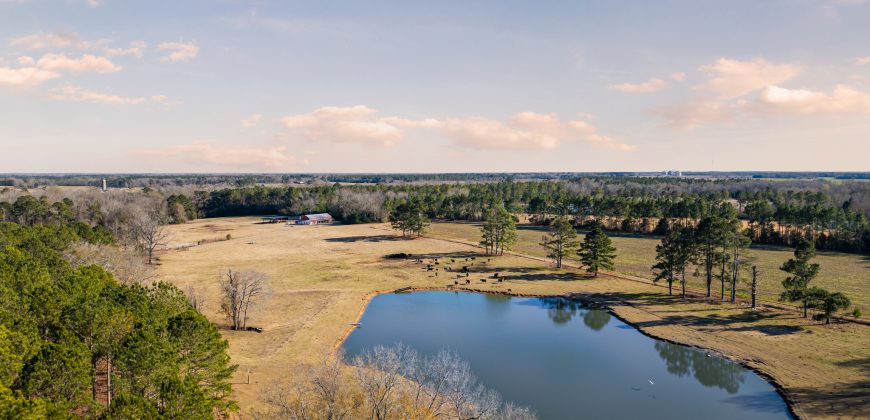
(319, 216)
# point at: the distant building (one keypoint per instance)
(315, 219)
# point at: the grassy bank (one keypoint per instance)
(847, 273)
(321, 277)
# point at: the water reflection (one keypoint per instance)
(596, 318)
(708, 371)
(561, 311)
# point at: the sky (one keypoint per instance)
(231, 86)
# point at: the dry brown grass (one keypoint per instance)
(847, 273)
(322, 276)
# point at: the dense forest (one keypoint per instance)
(75, 342)
(833, 216)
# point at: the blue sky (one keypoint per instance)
(332, 86)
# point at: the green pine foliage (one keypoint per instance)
(561, 241)
(597, 251)
(59, 323)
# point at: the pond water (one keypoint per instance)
(565, 361)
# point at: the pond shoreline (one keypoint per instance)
(597, 301)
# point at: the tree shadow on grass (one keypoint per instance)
(846, 400)
(740, 320)
(361, 238)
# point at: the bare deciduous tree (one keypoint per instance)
(126, 264)
(391, 382)
(195, 297)
(149, 233)
(241, 290)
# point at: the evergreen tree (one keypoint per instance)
(597, 251)
(673, 256)
(409, 219)
(561, 241)
(498, 232)
(828, 302)
(802, 273)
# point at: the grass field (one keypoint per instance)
(847, 273)
(322, 276)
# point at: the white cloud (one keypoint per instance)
(59, 40)
(26, 61)
(734, 78)
(25, 76)
(83, 64)
(220, 156)
(78, 94)
(679, 77)
(523, 131)
(252, 120)
(651, 85)
(842, 100)
(136, 49)
(178, 51)
(346, 124)
(862, 60)
(694, 114)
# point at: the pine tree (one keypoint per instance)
(673, 256)
(802, 272)
(597, 251)
(561, 241)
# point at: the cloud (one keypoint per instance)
(693, 114)
(862, 60)
(136, 49)
(346, 124)
(651, 85)
(842, 100)
(178, 51)
(252, 120)
(679, 77)
(59, 40)
(523, 131)
(78, 94)
(25, 76)
(734, 78)
(235, 157)
(83, 64)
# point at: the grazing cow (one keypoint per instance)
(466, 274)
(483, 280)
(455, 282)
(467, 281)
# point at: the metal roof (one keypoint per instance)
(318, 216)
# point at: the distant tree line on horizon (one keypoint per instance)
(834, 216)
(773, 216)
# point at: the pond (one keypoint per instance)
(565, 361)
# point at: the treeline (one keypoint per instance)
(833, 217)
(76, 343)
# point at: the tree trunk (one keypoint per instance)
(683, 281)
(670, 287)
